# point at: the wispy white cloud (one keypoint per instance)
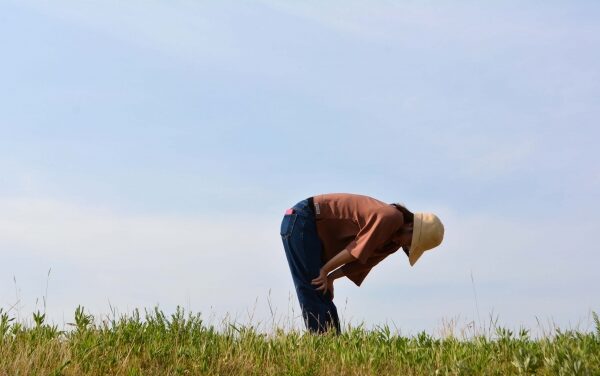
(489, 158)
(451, 21)
(183, 29)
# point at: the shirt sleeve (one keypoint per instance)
(357, 272)
(375, 230)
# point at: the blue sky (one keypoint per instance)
(149, 149)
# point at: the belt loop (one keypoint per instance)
(311, 205)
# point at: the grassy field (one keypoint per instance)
(182, 344)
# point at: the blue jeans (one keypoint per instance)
(303, 250)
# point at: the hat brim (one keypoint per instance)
(414, 255)
(415, 250)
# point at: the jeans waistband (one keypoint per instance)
(307, 206)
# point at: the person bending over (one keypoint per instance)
(336, 235)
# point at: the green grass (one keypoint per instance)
(182, 344)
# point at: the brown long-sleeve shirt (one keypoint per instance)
(365, 226)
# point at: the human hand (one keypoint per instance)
(321, 281)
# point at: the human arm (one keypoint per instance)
(328, 285)
(338, 273)
(325, 281)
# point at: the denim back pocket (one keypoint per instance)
(287, 225)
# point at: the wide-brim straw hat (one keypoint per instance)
(428, 233)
